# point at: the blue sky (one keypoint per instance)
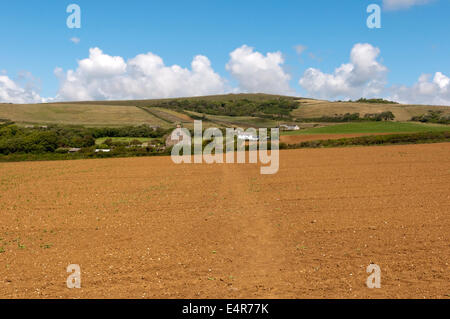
(412, 41)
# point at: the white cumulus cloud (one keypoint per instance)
(105, 77)
(256, 72)
(392, 5)
(427, 90)
(362, 76)
(13, 92)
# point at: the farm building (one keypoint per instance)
(247, 136)
(286, 127)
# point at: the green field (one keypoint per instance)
(373, 127)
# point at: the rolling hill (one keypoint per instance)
(168, 112)
(78, 114)
(316, 108)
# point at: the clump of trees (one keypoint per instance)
(276, 108)
(383, 116)
(13, 140)
(432, 117)
(375, 101)
(49, 139)
(351, 117)
(129, 131)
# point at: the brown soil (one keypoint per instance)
(145, 227)
(295, 139)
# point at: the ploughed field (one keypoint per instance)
(145, 227)
(295, 139)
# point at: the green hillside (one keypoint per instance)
(243, 110)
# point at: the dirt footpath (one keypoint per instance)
(147, 228)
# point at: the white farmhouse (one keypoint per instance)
(286, 127)
(247, 136)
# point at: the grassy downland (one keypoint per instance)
(223, 97)
(317, 108)
(78, 114)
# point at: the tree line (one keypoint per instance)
(276, 108)
(432, 117)
(351, 117)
